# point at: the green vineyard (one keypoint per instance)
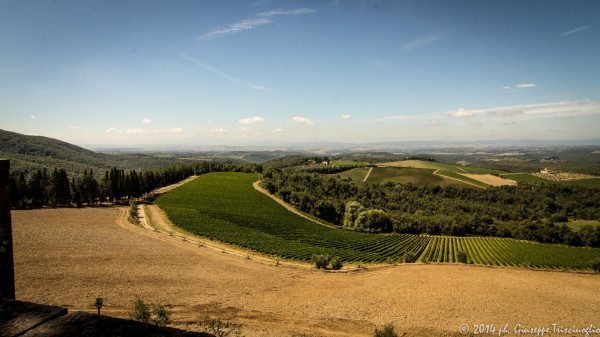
(225, 207)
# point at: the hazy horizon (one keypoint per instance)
(263, 72)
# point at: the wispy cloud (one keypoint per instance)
(520, 86)
(147, 121)
(225, 76)
(422, 41)
(345, 116)
(461, 113)
(236, 27)
(553, 109)
(175, 130)
(297, 11)
(261, 19)
(303, 120)
(525, 111)
(278, 130)
(252, 120)
(135, 131)
(113, 129)
(526, 85)
(575, 30)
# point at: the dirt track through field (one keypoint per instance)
(71, 256)
(368, 174)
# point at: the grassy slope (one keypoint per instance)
(416, 176)
(577, 224)
(225, 207)
(356, 174)
(36, 152)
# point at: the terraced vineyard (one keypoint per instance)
(225, 207)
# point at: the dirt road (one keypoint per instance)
(71, 256)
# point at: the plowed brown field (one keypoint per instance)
(71, 256)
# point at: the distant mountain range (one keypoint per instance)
(35, 152)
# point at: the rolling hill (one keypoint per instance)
(28, 153)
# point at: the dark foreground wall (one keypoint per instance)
(18, 318)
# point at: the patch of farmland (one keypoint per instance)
(225, 207)
(480, 170)
(589, 183)
(578, 224)
(69, 256)
(491, 179)
(356, 174)
(463, 178)
(347, 162)
(424, 165)
(416, 176)
(563, 176)
(525, 178)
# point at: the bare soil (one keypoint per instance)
(69, 257)
(490, 179)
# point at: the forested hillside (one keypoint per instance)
(30, 153)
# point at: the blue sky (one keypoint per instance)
(224, 72)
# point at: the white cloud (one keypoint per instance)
(236, 27)
(243, 129)
(278, 130)
(147, 121)
(251, 23)
(218, 130)
(520, 86)
(75, 127)
(475, 123)
(573, 31)
(252, 120)
(526, 85)
(175, 130)
(113, 129)
(32, 117)
(551, 109)
(297, 11)
(345, 116)
(225, 76)
(422, 41)
(133, 131)
(302, 120)
(461, 113)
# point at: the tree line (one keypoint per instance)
(57, 188)
(529, 212)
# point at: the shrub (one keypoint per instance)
(321, 261)
(387, 331)
(336, 264)
(410, 257)
(133, 210)
(140, 312)
(222, 329)
(162, 315)
(461, 256)
(596, 265)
